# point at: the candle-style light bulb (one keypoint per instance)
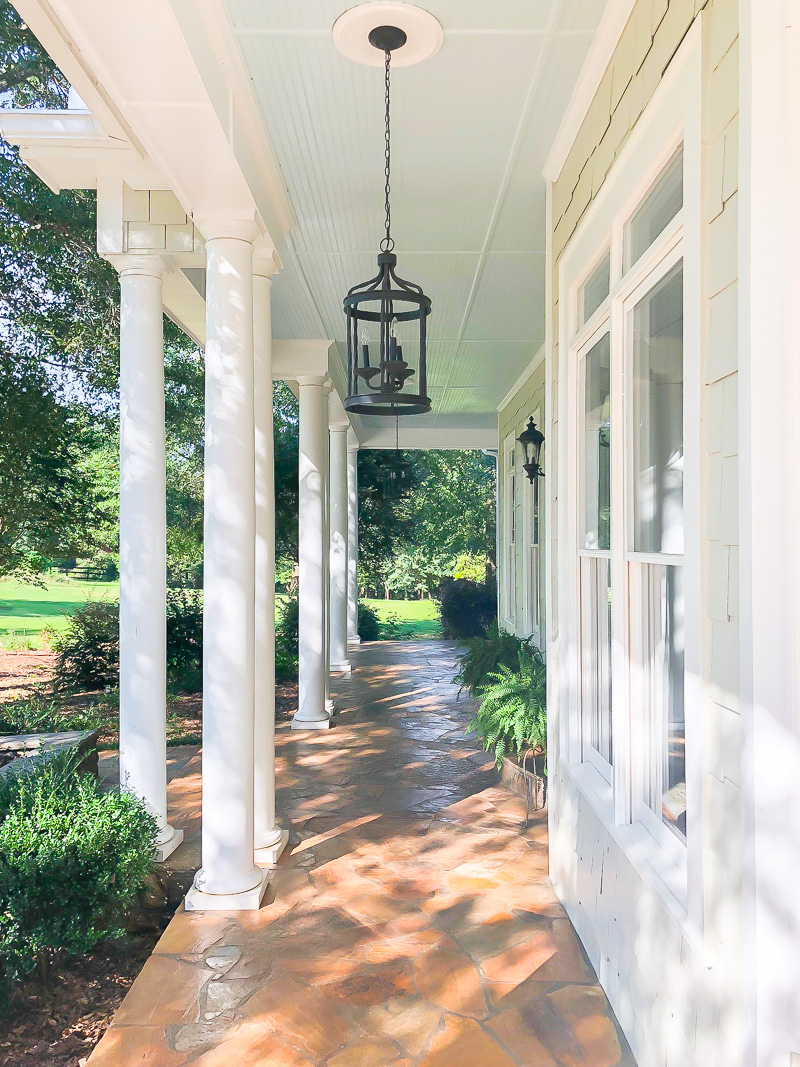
(364, 338)
(393, 339)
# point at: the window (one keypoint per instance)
(628, 457)
(595, 562)
(658, 209)
(594, 290)
(629, 652)
(597, 445)
(656, 601)
(533, 555)
(511, 533)
(657, 433)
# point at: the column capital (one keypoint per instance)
(311, 379)
(224, 226)
(141, 264)
(266, 264)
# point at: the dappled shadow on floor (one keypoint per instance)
(410, 921)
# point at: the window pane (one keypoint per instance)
(657, 389)
(663, 676)
(594, 290)
(595, 576)
(662, 204)
(597, 445)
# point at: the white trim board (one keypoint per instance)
(614, 20)
(529, 371)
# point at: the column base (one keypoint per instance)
(345, 667)
(249, 900)
(270, 854)
(354, 640)
(311, 724)
(164, 849)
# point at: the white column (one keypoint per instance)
(338, 548)
(143, 545)
(352, 540)
(269, 839)
(228, 879)
(313, 667)
(330, 707)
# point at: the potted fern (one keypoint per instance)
(511, 721)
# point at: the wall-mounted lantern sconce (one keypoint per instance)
(532, 440)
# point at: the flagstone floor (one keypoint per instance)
(410, 922)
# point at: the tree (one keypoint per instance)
(47, 503)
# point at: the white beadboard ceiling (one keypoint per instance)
(471, 129)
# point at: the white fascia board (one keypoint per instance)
(606, 39)
(140, 63)
(206, 26)
(532, 367)
(53, 36)
(71, 150)
(427, 438)
(292, 358)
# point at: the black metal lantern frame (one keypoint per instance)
(532, 440)
(398, 308)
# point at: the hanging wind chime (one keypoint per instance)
(386, 316)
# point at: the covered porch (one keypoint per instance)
(410, 919)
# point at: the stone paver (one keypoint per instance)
(410, 922)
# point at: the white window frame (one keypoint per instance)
(602, 320)
(672, 116)
(532, 556)
(510, 532)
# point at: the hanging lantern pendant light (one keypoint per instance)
(397, 307)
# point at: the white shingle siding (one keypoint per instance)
(678, 1004)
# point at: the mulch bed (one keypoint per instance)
(59, 1027)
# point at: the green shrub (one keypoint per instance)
(287, 641)
(185, 639)
(72, 861)
(87, 651)
(35, 715)
(485, 655)
(369, 625)
(512, 714)
(467, 608)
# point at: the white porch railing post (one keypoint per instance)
(228, 879)
(352, 539)
(338, 548)
(313, 667)
(269, 839)
(143, 544)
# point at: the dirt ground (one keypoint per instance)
(60, 1025)
(22, 672)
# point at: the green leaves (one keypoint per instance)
(512, 715)
(72, 861)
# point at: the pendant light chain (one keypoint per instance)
(387, 244)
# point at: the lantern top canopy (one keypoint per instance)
(387, 315)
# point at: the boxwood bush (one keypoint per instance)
(467, 608)
(87, 651)
(72, 861)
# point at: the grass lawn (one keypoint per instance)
(25, 610)
(420, 616)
